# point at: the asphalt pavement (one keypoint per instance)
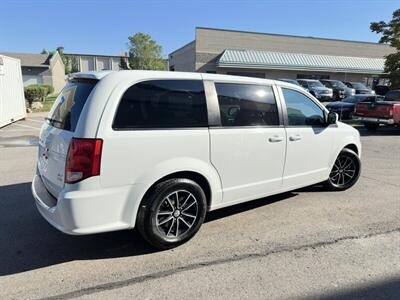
(305, 244)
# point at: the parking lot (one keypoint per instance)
(303, 244)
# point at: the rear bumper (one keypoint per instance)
(374, 120)
(84, 212)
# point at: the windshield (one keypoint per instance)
(69, 104)
(359, 86)
(338, 84)
(356, 99)
(351, 99)
(315, 84)
(290, 81)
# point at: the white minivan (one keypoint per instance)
(158, 150)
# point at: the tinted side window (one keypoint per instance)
(246, 105)
(69, 104)
(162, 104)
(302, 110)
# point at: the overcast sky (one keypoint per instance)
(102, 27)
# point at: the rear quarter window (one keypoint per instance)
(162, 104)
(69, 104)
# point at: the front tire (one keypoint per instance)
(172, 213)
(345, 171)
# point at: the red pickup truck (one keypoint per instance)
(386, 112)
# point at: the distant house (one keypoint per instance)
(41, 69)
(95, 62)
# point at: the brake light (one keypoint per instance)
(83, 159)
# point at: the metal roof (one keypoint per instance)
(297, 61)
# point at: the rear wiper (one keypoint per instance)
(52, 121)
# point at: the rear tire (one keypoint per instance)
(345, 172)
(371, 126)
(172, 213)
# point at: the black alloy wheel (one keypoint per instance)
(345, 171)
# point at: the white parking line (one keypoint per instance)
(13, 130)
(26, 126)
(33, 120)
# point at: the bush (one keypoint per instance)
(50, 89)
(37, 92)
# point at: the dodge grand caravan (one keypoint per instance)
(158, 150)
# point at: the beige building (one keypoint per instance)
(279, 56)
(94, 62)
(41, 69)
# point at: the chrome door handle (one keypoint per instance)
(275, 139)
(295, 137)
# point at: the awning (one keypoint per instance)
(297, 61)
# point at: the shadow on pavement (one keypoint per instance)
(382, 131)
(28, 242)
(384, 289)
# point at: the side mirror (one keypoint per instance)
(332, 118)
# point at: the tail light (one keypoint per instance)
(83, 159)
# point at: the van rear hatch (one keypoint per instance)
(381, 109)
(57, 132)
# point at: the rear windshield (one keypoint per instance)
(69, 104)
(392, 96)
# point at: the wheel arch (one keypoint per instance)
(352, 147)
(195, 176)
(199, 171)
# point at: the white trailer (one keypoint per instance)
(12, 99)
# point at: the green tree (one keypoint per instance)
(144, 53)
(71, 64)
(122, 64)
(390, 35)
(66, 61)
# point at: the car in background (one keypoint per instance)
(317, 89)
(386, 112)
(345, 108)
(382, 90)
(340, 90)
(293, 81)
(359, 87)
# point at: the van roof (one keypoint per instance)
(117, 76)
